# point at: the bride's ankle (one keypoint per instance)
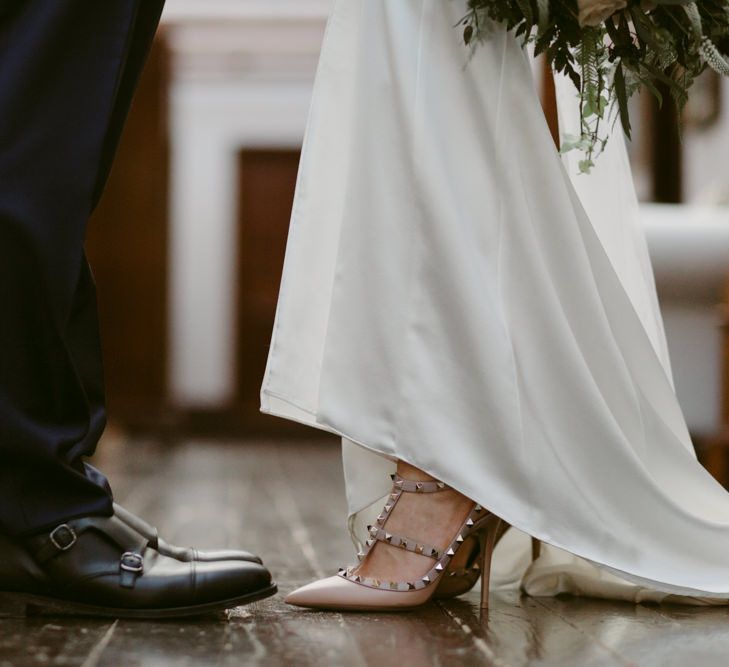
(410, 472)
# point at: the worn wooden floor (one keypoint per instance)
(285, 501)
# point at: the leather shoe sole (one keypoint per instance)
(14, 605)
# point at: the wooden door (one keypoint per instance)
(267, 179)
(127, 248)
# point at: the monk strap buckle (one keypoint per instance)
(131, 562)
(63, 537)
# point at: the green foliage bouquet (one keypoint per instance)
(612, 48)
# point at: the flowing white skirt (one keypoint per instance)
(456, 297)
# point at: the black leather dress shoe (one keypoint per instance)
(180, 553)
(101, 566)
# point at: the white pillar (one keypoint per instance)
(242, 77)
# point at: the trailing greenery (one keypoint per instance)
(649, 44)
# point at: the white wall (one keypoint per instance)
(689, 247)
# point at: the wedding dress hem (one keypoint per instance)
(696, 596)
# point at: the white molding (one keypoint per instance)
(261, 50)
(245, 38)
(179, 11)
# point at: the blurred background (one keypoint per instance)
(188, 243)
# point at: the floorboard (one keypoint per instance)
(285, 500)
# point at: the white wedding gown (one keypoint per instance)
(455, 296)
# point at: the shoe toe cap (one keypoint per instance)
(332, 591)
(337, 593)
(231, 579)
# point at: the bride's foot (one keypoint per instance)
(431, 517)
(426, 531)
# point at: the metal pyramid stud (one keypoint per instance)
(369, 543)
(478, 508)
(393, 586)
(426, 579)
(357, 578)
(398, 484)
(374, 530)
(411, 587)
(361, 555)
(440, 485)
(393, 476)
(381, 518)
(341, 570)
(388, 508)
(475, 566)
(376, 583)
(459, 539)
(439, 567)
(450, 552)
(388, 537)
(418, 486)
(419, 548)
(469, 522)
(404, 544)
(394, 496)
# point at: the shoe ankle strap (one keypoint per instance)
(377, 534)
(47, 545)
(417, 486)
(475, 521)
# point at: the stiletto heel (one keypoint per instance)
(464, 571)
(487, 550)
(464, 574)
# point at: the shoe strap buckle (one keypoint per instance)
(132, 562)
(63, 537)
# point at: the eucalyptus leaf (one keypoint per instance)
(631, 51)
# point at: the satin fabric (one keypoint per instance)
(455, 296)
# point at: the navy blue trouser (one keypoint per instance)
(68, 70)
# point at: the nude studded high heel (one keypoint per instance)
(350, 591)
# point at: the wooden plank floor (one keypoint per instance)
(286, 502)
